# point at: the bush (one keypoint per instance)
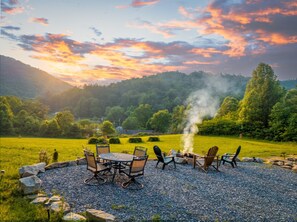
(135, 140)
(92, 140)
(43, 157)
(100, 140)
(114, 140)
(153, 139)
(55, 156)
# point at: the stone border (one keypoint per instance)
(30, 185)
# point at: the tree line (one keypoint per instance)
(265, 110)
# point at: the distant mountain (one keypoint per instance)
(19, 79)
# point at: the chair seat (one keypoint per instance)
(100, 167)
(168, 159)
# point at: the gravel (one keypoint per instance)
(250, 192)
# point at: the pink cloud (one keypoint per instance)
(42, 21)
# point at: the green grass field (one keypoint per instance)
(16, 152)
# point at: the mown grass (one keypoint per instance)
(16, 152)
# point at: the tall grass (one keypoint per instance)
(16, 152)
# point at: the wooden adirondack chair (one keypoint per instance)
(204, 162)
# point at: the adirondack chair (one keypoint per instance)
(204, 162)
(162, 158)
(231, 158)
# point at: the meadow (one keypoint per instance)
(16, 152)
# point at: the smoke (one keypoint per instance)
(200, 104)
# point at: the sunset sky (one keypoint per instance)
(102, 41)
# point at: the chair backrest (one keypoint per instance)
(237, 153)
(212, 152)
(139, 151)
(100, 149)
(159, 154)
(91, 161)
(138, 164)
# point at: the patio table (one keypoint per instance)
(117, 159)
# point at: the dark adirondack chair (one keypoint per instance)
(162, 158)
(231, 158)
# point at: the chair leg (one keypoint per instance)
(174, 164)
(131, 181)
(232, 164)
(163, 166)
(157, 163)
(97, 177)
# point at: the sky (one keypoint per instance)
(103, 41)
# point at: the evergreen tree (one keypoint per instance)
(262, 92)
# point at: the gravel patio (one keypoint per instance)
(251, 192)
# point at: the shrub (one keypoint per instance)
(135, 140)
(153, 139)
(43, 157)
(55, 156)
(114, 140)
(100, 140)
(93, 140)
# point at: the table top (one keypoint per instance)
(117, 157)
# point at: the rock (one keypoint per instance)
(39, 200)
(73, 217)
(60, 206)
(34, 196)
(30, 170)
(286, 167)
(247, 159)
(81, 161)
(30, 185)
(52, 166)
(294, 169)
(72, 163)
(180, 160)
(252, 159)
(54, 198)
(99, 215)
(258, 160)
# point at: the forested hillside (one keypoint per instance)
(19, 79)
(162, 91)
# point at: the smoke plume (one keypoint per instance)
(200, 104)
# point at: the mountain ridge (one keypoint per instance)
(22, 80)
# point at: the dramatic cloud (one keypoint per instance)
(11, 28)
(11, 7)
(139, 3)
(96, 31)
(222, 36)
(42, 21)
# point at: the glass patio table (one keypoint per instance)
(117, 159)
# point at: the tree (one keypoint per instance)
(107, 128)
(161, 121)
(228, 108)
(262, 92)
(50, 128)
(36, 108)
(131, 123)
(177, 119)
(283, 117)
(115, 114)
(65, 119)
(143, 113)
(6, 117)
